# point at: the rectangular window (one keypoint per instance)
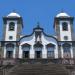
(38, 54)
(9, 54)
(50, 54)
(10, 37)
(25, 54)
(64, 26)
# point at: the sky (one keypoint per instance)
(33, 11)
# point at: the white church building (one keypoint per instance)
(38, 45)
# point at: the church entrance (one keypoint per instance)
(38, 54)
(9, 54)
(38, 50)
(25, 54)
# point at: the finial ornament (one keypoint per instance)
(14, 11)
(38, 25)
(62, 10)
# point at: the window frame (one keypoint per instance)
(10, 37)
(66, 47)
(65, 37)
(50, 53)
(64, 26)
(9, 50)
(25, 49)
(11, 26)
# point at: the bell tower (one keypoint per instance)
(63, 24)
(12, 27)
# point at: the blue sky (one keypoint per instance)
(33, 11)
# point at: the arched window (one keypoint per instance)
(65, 26)
(38, 50)
(66, 47)
(50, 50)
(25, 49)
(66, 50)
(11, 26)
(9, 50)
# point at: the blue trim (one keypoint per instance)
(34, 30)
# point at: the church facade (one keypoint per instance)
(38, 45)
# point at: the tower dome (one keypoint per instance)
(62, 14)
(13, 14)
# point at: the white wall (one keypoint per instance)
(11, 33)
(45, 40)
(65, 33)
